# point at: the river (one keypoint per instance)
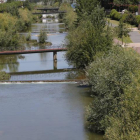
(39, 111)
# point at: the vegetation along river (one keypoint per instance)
(39, 111)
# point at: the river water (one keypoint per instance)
(52, 111)
(40, 111)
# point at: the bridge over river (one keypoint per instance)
(54, 50)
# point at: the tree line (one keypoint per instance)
(15, 17)
(111, 70)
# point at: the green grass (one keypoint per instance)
(125, 40)
(115, 22)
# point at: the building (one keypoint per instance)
(1, 1)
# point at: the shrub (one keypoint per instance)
(4, 75)
(138, 19)
(124, 17)
(109, 76)
(42, 37)
(124, 124)
(117, 16)
(131, 19)
(112, 14)
(85, 41)
(28, 37)
(133, 8)
(70, 17)
(25, 19)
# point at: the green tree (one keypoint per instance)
(122, 30)
(42, 37)
(124, 123)
(109, 77)
(89, 38)
(28, 37)
(69, 17)
(84, 8)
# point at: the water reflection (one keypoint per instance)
(43, 111)
(33, 62)
(49, 27)
(10, 62)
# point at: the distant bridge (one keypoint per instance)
(46, 10)
(45, 13)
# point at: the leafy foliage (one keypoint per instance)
(8, 30)
(70, 17)
(42, 37)
(122, 30)
(84, 42)
(109, 76)
(84, 8)
(89, 38)
(127, 17)
(124, 124)
(4, 75)
(126, 1)
(24, 20)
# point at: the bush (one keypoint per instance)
(131, 19)
(115, 15)
(42, 37)
(138, 19)
(124, 17)
(70, 16)
(85, 41)
(133, 9)
(124, 124)
(28, 37)
(4, 75)
(109, 76)
(112, 14)
(25, 20)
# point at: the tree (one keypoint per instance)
(124, 124)
(42, 37)
(89, 38)
(28, 37)
(69, 17)
(122, 30)
(84, 8)
(109, 77)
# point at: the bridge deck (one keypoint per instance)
(57, 12)
(32, 51)
(45, 8)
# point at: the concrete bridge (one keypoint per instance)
(55, 50)
(46, 13)
(52, 12)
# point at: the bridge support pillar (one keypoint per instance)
(54, 56)
(55, 60)
(55, 65)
